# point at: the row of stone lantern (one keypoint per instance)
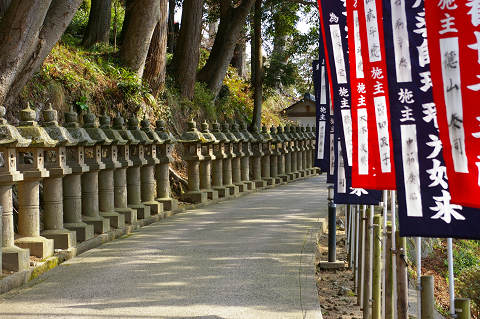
(94, 177)
(229, 159)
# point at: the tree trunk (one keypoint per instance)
(186, 56)
(143, 18)
(28, 32)
(157, 54)
(98, 27)
(257, 66)
(171, 26)
(232, 21)
(239, 56)
(129, 4)
(4, 4)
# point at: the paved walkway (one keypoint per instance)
(247, 258)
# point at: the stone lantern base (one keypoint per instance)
(233, 189)
(83, 231)
(211, 194)
(116, 220)
(15, 259)
(169, 204)
(129, 214)
(143, 212)
(278, 180)
(270, 181)
(249, 186)
(284, 178)
(259, 184)
(62, 238)
(223, 192)
(156, 208)
(195, 197)
(40, 247)
(100, 225)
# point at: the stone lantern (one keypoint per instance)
(237, 160)
(94, 156)
(192, 141)
(245, 162)
(283, 151)
(290, 155)
(257, 149)
(267, 152)
(147, 172)
(56, 164)
(227, 162)
(220, 155)
(301, 151)
(13, 258)
(275, 154)
(306, 148)
(31, 162)
(206, 163)
(72, 184)
(295, 150)
(310, 148)
(164, 153)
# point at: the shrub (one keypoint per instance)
(468, 286)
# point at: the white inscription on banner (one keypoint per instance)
(332, 154)
(348, 130)
(362, 141)
(411, 170)
(358, 47)
(323, 87)
(373, 37)
(341, 179)
(321, 139)
(400, 41)
(452, 91)
(338, 53)
(380, 104)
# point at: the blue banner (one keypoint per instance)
(322, 149)
(422, 185)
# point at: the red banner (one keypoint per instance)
(365, 153)
(378, 105)
(454, 46)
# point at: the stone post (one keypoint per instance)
(13, 258)
(306, 149)
(257, 146)
(245, 161)
(56, 164)
(227, 161)
(90, 187)
(72, 184)
(121, 189)
(288, 153)
(239, 157)
(164, 153)
(275, 148)
(192, 140)
(300, 150)
(282, 149)
(206, 163)
(294, 151)
(267, 153)
(31, 163)
(148, 187)
(311, 142)
(217, 167)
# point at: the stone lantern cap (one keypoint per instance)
(228, 133)
(238, 134)
(310, 132)
(192, 135)
(77, 132)
(281, 134)
(140, 135)
(114, 135)
(266, 136)
(166, 136)
(302, 132)
(151, 134)
(258, 136)
(119, 126)
(30, 129)
(244, 130)
(91, 126)
(207, 135)
(9, 135)
(222, 138)
(55, 131)
(273, 134)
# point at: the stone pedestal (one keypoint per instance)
(194, 194)
(217, 163)
(120, 196)
(227, 161)
(245, 161)
(90, 207)
(72, 207)
(107, 199)
(134, 193)
(148, 189)
(206, 163)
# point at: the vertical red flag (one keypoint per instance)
(371, 21)
(454, 47)
(365, 153)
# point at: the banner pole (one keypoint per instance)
(393, 208)
(418, 245)
(451, 278)
(384, 250)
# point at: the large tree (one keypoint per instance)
(28, 32)
(4, 4)
(155, 65)
(142, 19)
(232, 21)
(239, 58)
(98, 27)
(257, 65)
(171, 25)
(187, 50)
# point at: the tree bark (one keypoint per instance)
(232, 21)
(171, 26)
(143, 18)
(98, 27)
(4, 4)
(257, 66)
(155, 65)
(239, 56)
(128, 12)
(28, 32)
(186, 56)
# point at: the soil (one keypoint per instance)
(335, 287)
